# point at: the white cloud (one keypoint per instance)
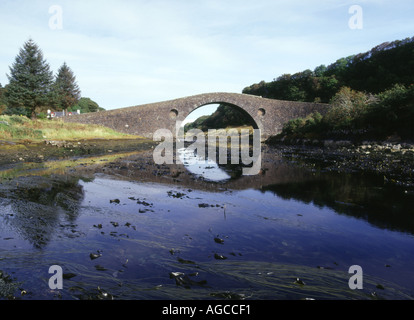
(131, 52)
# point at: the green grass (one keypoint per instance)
(18, 128)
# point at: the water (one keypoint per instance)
(206, 168)
(165, 232)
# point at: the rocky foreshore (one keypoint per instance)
(393, 159)
(26, 151)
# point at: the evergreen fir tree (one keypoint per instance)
(30, 81)
(66, 89)
(2, 99)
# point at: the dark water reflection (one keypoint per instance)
(162, 232)
(364, 197)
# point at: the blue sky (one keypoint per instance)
(127, 53)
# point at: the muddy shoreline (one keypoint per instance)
(395, 161)
(20, 152)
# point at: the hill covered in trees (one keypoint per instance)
(374, 71)
(371, 94)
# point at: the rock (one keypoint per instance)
(181, 279)
(343, 143)
(184, 261)
(68, 276)
(396, 147)
(94, 256)
(329, 143)
(228, 295)
(219, 256)
(56, 143)
(218, 240)
(299, 282)
(100, 268)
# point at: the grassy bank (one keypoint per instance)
(19, 128)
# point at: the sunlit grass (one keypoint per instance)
(15, 128)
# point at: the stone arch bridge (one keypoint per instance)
(269, 115)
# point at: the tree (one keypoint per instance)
(320, 70)
(86, 105)
(374, 71)
(30, 81)
(327, 87)
(393, 112)
(1, 93)
(349, 107)
(2, 102)
(66, 89)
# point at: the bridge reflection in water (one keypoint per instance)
(203, 167)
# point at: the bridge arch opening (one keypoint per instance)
(229, 122)
(219, 116)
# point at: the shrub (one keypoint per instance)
(348, 109)
(302, 126)
(393, 112)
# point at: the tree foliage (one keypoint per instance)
(32, 88)
(371, 94)
(30, 81)
(3, 106)
(393, 113)
(358, 115)
(349, 107)
(86, 105)
(374, 71)
(66, 89)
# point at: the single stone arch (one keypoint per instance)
(255, 121)
(251, 108)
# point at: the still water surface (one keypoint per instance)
(127, 229)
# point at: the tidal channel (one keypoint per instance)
(121, 227)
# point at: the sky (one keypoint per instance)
(127, 53)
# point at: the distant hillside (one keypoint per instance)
(373, 72)
(372, 97)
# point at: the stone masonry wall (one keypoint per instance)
(143, 120)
